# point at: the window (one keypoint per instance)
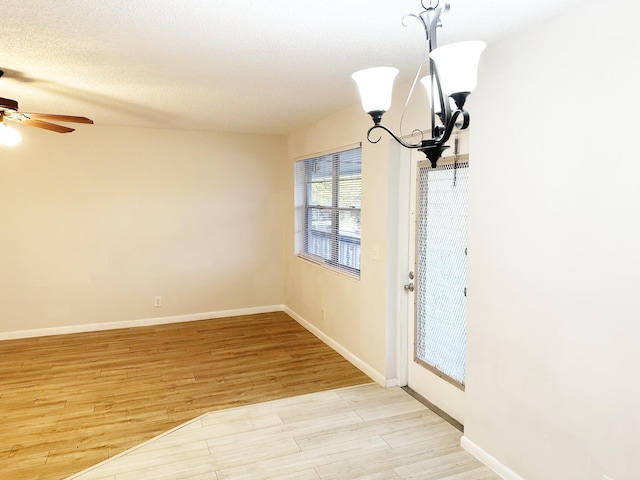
(328, 191)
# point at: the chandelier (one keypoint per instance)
(453, 76)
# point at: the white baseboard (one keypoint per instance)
(488, 460)
(392, 382)
(144, 322)
(357, 362)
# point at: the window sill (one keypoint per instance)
(322, 263)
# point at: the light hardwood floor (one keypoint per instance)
(68, 402)
(357, 433)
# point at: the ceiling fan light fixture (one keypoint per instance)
(9, 136)
(9, 111)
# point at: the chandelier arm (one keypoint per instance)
(445, 109)
(395, 137)
(451, 124)
(466, 120)
(413, 15)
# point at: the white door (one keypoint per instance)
(436, 336)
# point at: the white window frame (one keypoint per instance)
(344, 250)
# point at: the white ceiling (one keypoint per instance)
(261, 66)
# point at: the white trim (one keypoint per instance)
(403, 299)
(144, 322)
(488, 460)
(330, 151)
(322, 263)
(376, 376)
(393, 382)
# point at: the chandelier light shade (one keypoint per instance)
(434, 91)
(454, 73)
(375, 86)
(8, 135)
(457, 65)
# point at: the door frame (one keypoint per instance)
(402, 300)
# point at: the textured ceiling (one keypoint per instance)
(262, 66)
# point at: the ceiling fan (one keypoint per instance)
(9, 111)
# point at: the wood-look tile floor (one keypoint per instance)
(362, 432)
(68, 402)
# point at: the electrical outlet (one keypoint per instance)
(157, 302)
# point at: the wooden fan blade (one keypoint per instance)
(8, 103)
(59, 118)
(47, 126)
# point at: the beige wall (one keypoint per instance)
(98, 222)
(359, 315)
(554, 266)
(351, 312)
